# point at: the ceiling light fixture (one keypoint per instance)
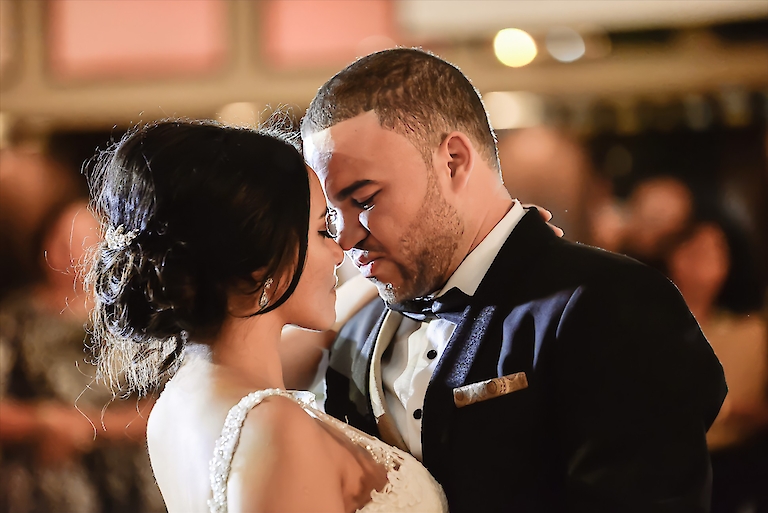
(514, 47)
(565, 44)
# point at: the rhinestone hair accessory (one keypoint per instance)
(118, 238)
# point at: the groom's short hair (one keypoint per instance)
(413, 93)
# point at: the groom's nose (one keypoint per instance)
(352, 231)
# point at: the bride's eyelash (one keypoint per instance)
(326, 234)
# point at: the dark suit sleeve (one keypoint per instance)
(637, 387)
(347, 375)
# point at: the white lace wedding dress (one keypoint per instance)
(410, 487)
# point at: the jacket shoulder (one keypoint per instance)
(591, 265)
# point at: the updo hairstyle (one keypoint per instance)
(204, 206)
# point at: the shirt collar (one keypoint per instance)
(470, 273)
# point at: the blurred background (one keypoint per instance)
(640, 124)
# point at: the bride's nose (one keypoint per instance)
(338, 253)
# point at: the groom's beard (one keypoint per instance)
(427, 249)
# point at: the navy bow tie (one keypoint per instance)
(446, 306)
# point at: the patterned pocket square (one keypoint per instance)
(488, 389)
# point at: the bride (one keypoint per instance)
(215, 238)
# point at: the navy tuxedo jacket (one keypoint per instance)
(622, 386)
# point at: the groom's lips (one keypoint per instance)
(368, 265)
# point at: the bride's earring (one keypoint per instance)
(264, 299)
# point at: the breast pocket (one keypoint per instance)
(496, 426)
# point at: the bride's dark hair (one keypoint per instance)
(202, 207)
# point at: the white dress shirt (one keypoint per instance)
(408, 363)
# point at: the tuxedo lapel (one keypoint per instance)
(384, 421)
(375, 388)
(461, 350)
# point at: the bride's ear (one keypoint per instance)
(250, 296)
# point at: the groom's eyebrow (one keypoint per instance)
(347, 191)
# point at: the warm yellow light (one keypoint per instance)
(514, 47)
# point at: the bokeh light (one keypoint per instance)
(514, 47)
(565, 44)
(514, 109)
(244, 114)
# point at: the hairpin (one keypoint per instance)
(118, 238)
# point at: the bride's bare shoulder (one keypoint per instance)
(274, 410)
(279, 427)
(283, 462)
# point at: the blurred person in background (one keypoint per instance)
(32, 186)
(544, 166)
(51, 458)
(657, 211)
(709, 263)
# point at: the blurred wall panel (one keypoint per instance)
(316, 33)
(473, 18)
(9, 38)
(135, 39)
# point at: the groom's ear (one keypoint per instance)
(457, 158)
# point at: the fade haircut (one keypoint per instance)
(413, 93)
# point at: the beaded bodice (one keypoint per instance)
(409, 487)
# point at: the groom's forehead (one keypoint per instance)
(357, 134)
(318, 148)
(346, 147)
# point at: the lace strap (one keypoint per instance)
(381, 452)
(226, 444)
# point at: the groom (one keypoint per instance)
(527, 372)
